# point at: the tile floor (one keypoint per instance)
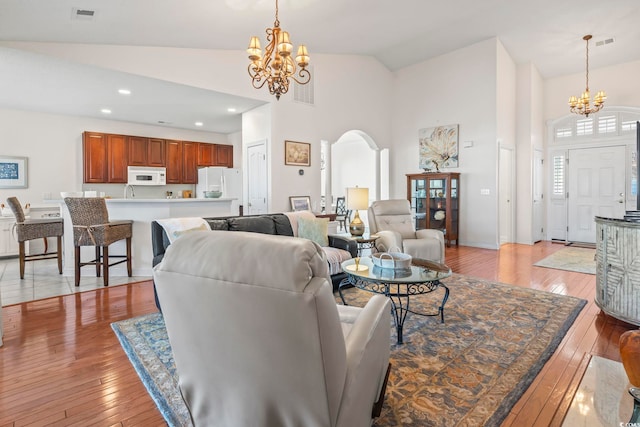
(41, 280)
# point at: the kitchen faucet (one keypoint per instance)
(133, 193)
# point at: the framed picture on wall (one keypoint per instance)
(300, 203)
(297, 153)
(13, 172)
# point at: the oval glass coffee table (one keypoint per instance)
(398, 285)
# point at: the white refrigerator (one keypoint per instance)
(226, 180)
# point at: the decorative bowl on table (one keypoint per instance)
(395, 260)
(212, 194)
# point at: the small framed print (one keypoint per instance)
(297, 153)
(13, 172)
(300, 203)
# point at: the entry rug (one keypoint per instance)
(468, 371)
(570, 258)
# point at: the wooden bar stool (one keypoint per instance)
(31, 229)
(91, 227)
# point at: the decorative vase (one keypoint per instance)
(630, 354)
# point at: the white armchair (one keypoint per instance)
(392, 221)
(258, 339)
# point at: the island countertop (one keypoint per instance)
(142, 212)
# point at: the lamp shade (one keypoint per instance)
(357, 198)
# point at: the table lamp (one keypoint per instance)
(357, 198)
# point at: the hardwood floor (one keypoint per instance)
(62, 365)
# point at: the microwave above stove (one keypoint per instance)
(141, 175)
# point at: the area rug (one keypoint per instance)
(570, 258)
(468, 371)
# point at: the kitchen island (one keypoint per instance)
(142, 212)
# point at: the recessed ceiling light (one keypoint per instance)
(231, 110)
(199, 123)
(124, 91)
(105, 111)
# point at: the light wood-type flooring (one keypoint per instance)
(62, 365)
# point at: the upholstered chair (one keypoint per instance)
(393, 222)
(258, 339)
(91, 227)
(32, 229)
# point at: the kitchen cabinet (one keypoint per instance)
(156, 152)
(137, 151)
(189, 162)
(434, 199)
(224, 155)
(174, 162)
(107, 156)
(117, 155)
(94, 153)
(146, 151)
(207, 155)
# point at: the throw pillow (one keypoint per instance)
(314, 230)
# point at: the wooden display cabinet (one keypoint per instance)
(434, 199)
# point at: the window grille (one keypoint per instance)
(564, 132)
(607, 124)
(628, 126)
(584, 127)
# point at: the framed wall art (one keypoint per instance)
(13, 172)
(438, 147)
(300, 203)
(297, 153)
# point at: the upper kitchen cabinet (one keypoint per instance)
(189, 162)
(207, 154)
(146, 151)
(94, 153)
(224, 155)
(174, 161)
(156, 152)
(117, 153)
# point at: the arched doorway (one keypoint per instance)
(355, 160)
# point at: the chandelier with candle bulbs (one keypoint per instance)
(276, 67)
(582, 104)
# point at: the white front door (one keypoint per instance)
(596, 188)
(257, 189)
(538, 185)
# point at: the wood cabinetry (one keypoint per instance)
(156, 152)
(94, 152)
(106, 157)
(174, 161)
(146, 151)
(434, 199)
(189, 162)
(215, 155)
(224, 155)
(117, 154)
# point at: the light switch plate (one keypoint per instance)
(485, 191)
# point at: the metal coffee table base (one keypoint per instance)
(399, 295)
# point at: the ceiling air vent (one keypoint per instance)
(83, 14)
(605, 41)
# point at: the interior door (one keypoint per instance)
(538, 185)
(596, 188)
(505, 196)
(257, 189)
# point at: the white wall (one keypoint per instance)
(530, 136)
(458, 87)
(53, 145)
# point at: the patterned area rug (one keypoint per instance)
(581, 260)
(469, 371)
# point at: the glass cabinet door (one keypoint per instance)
(419, 201)
(438, 204)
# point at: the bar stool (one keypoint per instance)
(91, 227)
(31, 229)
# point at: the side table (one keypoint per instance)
(365, 242)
